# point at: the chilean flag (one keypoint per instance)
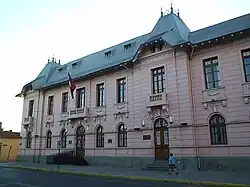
(72, 86)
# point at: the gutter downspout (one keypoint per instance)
(178, 99)
(37, 113)
(90, 107)
(41, 128)
(193, 112)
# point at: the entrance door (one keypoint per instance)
(80, 140)
(161, 139)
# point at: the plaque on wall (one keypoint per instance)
(146, 137)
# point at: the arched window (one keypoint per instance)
(48, 139)
(63, 138)
(28, 140)
(218, 130)
(99, 137)
(122, 135)
(80, 137)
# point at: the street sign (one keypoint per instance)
(58, 144)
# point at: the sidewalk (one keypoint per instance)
(204, 176)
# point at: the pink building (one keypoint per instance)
(171, 90)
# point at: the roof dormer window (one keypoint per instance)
(108, 54)
(156, 47)
(74, 64)
(127, 47)
(62, 68)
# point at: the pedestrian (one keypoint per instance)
(172, 164)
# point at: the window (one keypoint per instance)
(28, 140)
(65, 102)
(80, 137)
(212, 73)
(48, 139)
(246, 63)
(121, 90)
(63, 138)
(127, 47)
(99, 137)
(158, 75)
(122, 135)
(156, 47)
(100, 94)
(50, 105)
(31, 108)
(80, 98)
(218, 130)
(108, 54)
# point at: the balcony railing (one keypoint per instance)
(78, 113)
(28, 120)
(158, 99)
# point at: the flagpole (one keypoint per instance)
(71, 84)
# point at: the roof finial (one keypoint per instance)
(171, 9)
(59, 61)
(49, 60)
(161, 12)
(53, 58)
(178, 13)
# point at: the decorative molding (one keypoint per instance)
(212, 93)
(215, 104)
(120, 106)
(246, 100)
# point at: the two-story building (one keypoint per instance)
(171, 90)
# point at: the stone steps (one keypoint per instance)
(158, 165)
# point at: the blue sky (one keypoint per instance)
(31, 31)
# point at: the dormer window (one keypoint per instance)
(74, 64)
(62, 68)
(127, 47)
(156, 47)
(108, 54)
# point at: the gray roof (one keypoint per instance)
(169, 28)
(221, 29)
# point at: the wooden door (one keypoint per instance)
(80, 141)
(161, 139)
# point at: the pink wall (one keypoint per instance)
(236, 112)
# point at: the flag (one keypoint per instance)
(72, 86)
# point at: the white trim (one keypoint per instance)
(151, 77)
(203, 72)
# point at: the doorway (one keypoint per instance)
(80, 141)
(161, 136)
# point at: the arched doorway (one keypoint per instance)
(161, 135)
(80, 139)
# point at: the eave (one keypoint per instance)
(214, 41)
(91, 75)
(218, 40)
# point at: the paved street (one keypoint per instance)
(18, 178)
(208, 176)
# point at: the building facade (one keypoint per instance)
(171, 90)
(9, 145)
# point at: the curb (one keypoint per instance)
(218, 184)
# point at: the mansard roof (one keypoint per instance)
(170, 28)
